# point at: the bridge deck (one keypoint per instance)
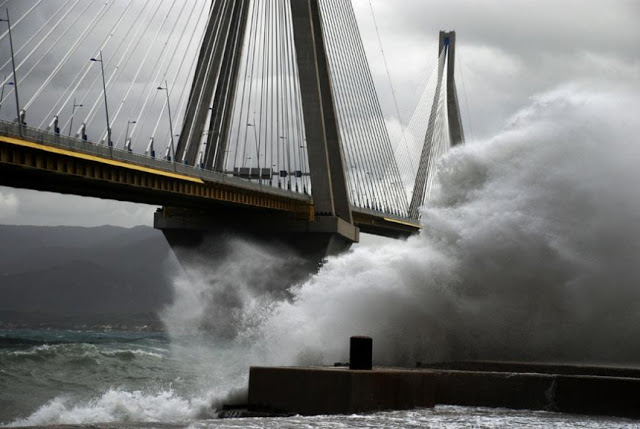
(44, 161)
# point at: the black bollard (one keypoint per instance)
(360, 351)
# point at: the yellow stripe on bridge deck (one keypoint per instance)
(80, 155)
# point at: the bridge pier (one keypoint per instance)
(312, 241)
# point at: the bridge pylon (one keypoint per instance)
(448, 39)
(445, 104)
(332, 228)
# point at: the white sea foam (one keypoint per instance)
(119, 406)
(132, 353)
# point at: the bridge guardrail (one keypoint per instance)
(11, 129)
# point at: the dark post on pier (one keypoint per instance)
(360, 353)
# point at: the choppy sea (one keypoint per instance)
(135, 379)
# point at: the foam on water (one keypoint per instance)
(119, 406)
(529, 250)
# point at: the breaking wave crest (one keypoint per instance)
(119, 406)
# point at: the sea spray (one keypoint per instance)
(220, 302)
(226, 283)
(529, 250)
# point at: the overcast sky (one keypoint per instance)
(508, 51)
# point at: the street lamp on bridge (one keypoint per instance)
(2, 92)
(106, 105)
(166, 88)
(127, 140)
(73, 111)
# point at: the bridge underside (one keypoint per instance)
(196, 211)
(188, 230)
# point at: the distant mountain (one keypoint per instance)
(73, 273)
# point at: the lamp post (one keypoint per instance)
(126, 134)
(106, 105)
(13, 65)
(166, 88)
(2, 93)
(2, 98)
(73, 111)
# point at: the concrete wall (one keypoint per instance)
(311, 391)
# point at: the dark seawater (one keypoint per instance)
(71, 376)
(134, 379)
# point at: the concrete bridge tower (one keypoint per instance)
(331, 229)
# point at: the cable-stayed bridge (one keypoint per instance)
(237, 116)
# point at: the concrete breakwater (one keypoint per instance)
(575, 389)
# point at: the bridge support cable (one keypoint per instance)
(181, 79)
(393, 92)
(42, 28)
(55, 43)
(466, 101)
(19, 20)
(174, 81)
(162, 65)
(121, 65)
(266, 138)
(245, 118)
(355, 106)
(122, 59)
(159, 74)
(67, 30)
(188, 77)
(359, 112)
(430, 142)
(200, 97)
(96, 21)
(70, 90)
(242, 115)
(386, 160)
(389, 178)
(141, 66)
(67, 56)
(362, 191)
(415, 132)
(265, 155)
(369, 135)
(73, 49)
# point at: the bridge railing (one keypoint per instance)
(34, 135)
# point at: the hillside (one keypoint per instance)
(78, 276)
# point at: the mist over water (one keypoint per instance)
(529, 250)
